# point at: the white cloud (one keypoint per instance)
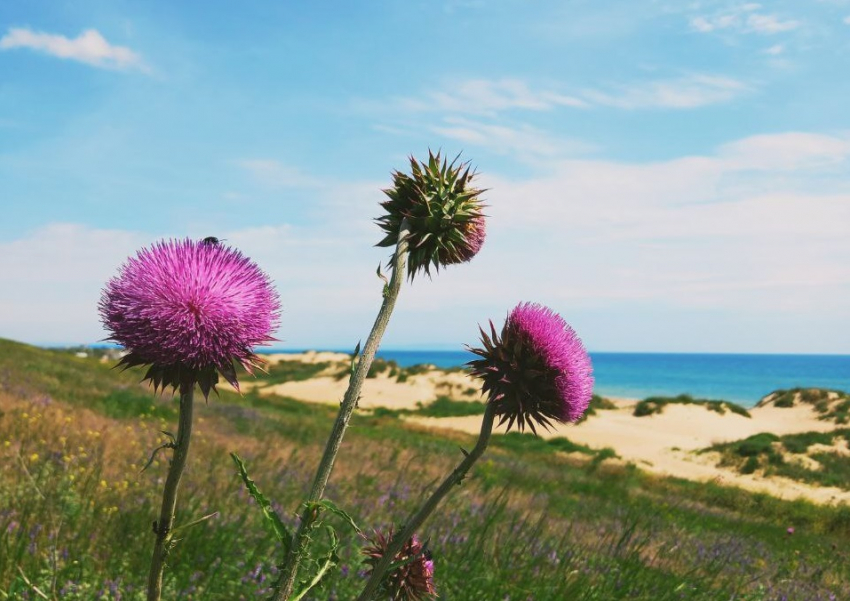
(743, 19)
(52, 280)
(755, 231)
(847, 19)
(760, 225)
(769, 24)
(787, 152)
(493, 99)
(522, 141)
(89, 47)
(687, 92)
(775, 50)
(486, 97)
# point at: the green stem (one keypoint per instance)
(163, 527)
(298, 548)
(418, 518)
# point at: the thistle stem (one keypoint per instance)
(162, 528)
(298, 546)
(418, 518)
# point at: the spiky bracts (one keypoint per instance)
(189, 309)
(443, 211)
(412, 577)
(536, 371)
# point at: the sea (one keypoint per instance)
(743, 379)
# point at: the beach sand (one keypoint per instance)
(663, 444)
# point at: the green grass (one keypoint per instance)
(445, 407)
(597, 403)
(442, 406)
(531, 521)
(767, 452)
(656, 404)
(835, 409)
(290, 371)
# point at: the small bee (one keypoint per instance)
(211, 240)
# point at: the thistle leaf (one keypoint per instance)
(332, 507)
(331, 559)
(278, 527)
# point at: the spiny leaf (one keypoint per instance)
(329, 505)
(278, 527)
(179, 529)
(331, 559)
(165, 445)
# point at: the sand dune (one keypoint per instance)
(663, 444)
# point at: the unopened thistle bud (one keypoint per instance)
(412, 578)
(189, 309)
(443, 212)
(537, 371)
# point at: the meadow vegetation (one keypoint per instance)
(656, 404)
(832, 405)
(536, 520)
(597, 403)
(819, 458)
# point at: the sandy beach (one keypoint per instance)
(663, 444)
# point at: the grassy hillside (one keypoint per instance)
(533, 522)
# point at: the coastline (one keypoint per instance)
(740, 378)
(666, 444)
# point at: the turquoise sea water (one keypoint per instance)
(740, 378)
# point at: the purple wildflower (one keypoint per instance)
(190, 309)
(413, 577)
(536, 371)
(443, 213)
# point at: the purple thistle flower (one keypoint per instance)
(190, 309)
(412, 579)
(536, 371)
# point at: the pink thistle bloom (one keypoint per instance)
(413, 578)
(536, 371)
(190, 308)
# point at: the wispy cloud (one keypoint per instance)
(743, 19)
(90, 47)
(775, 50)
(847, 19)
(522, 140)
(769, 24)
(482, 96)
(687, 92)
(494, 98)
(788, 152)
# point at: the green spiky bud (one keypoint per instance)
(443, 211)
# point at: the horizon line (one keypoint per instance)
(265, 350)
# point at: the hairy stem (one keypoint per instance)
(418, 518)
(162, 527)
(289, 569)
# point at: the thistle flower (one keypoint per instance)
(189, 309)
(536, 371)
(443, 212)
(412, 578)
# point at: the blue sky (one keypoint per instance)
(670, 176)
